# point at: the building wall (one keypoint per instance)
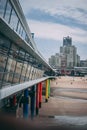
(71, 54)
(55, 61)
(83, 63)
(78, 60)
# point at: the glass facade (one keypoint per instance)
(8, 12)
(15, 64)
(2, 7)
(14, 20)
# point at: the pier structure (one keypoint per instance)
(22, 67)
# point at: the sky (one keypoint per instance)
(51, 20)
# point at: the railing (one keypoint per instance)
(10, 90)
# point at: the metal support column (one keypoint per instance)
(33, 89)
(40, 94)
(14, 100)
(48, 88)
(25, 104)
(46, 95)
(37, 99)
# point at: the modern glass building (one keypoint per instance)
(67, 41)
(20, 60)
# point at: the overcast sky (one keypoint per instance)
(51, 20)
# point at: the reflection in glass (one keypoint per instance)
(3, 60)
(31, 73)
(21, 55)
(10, 70)
(19, 29)
(28, 73)
(14, 51)
(23, 34)
(2, 7)
(17, 72)
(23, 72)
(14, 20)
(4, 45)
(2, 63)
(8, 11)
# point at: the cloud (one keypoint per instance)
(52, 5)
(74, 9)
(40, 15)
(55, 31)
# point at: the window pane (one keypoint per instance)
(14, 51)
(23, 34)
(21, 55)
(8, 11)
(10, 70)
(27, 57)
(4, 45)
(17, 72)
(28, 72)
(21, 29)
(14, 20)
(2, 7)
(26, 38)
(30, 76)
(18, 29)
(23, 72)
(11, 65)
(2, 62)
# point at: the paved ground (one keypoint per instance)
(70, 82)
(67, 105)
(66, 108)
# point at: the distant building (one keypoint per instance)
(52, 61)
(32, 34)
(78, 60)
(70, 52)
(83, 63)
(67, 58)
(67, 41)
(55, 61)
(63, 61)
